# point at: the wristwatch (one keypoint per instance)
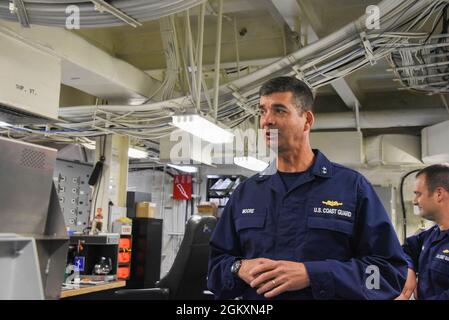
(236, 266)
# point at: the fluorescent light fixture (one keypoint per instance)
(202, 128)
(137, 153)
(188, 169)
(4, 124)
(251, 163)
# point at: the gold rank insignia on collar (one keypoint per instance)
(332, 203)
(446, 251)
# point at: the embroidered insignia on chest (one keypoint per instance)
(332, 203)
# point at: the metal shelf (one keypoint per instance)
(212, 193)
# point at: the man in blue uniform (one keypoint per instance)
(428, 252)
(305, 228)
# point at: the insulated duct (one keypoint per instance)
(393, 149)
(380, 119)
(433, 151)
(30, 81)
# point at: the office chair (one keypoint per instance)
(186, 278)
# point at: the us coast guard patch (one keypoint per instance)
(330, 208)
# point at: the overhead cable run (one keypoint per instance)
(421, 64)
(92, 12)
(17, 7)
(102, 6)
(331, 58)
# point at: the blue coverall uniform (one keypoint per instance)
(428, 254)
(331, 220)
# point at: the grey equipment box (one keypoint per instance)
(30, 208)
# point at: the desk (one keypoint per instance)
(86, 289)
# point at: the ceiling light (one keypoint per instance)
(202, 128)
(188, 169)
(251, 163)
(137, 153)
(4, 124)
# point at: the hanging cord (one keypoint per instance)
(404, 213)
(98, 171)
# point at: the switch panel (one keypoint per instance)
(74, 193)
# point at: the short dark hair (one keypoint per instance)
(303, 94)
(437, 175)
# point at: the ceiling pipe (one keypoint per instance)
(380, 119)
(200, 56)
(217, 58)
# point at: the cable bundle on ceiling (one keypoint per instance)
(421, 64)
(331, 58)
(92, 12)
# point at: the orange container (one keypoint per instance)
(125, 243)
(123, 272)
(124, 257)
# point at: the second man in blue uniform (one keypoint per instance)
(428, 252)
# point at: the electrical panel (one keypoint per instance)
(74, 193)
